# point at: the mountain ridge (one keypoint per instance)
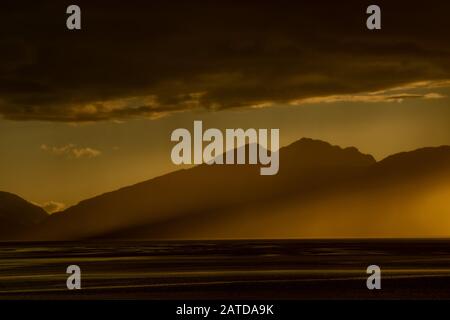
(17, 213)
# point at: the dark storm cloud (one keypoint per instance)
(139, 58)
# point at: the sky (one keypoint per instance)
(89, 111)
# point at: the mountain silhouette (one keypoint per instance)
(17, 214)
(321, 191)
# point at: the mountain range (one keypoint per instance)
(321, 191)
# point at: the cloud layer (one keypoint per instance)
(148, 59)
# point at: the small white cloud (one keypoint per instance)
(85, 152)
(71, 151)
(53, 206)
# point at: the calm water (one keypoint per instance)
(226, 269)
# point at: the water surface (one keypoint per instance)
(280, 269)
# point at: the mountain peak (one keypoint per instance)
(17, 213)
(311, 152)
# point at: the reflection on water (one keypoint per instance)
(226, 269)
